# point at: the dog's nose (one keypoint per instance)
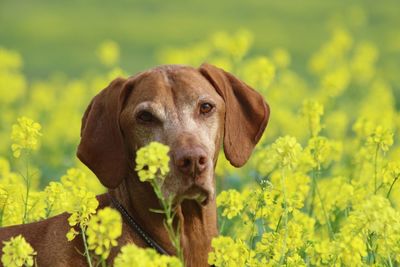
(191, 161)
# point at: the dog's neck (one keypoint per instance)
(198, 223)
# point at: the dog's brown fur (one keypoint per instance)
(112, 133)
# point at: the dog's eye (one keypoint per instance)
(145, 116)
(206, 108)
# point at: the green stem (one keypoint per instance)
(88, 259)
(391, 186)
(168, 223)
(253, 221)
(370, 247)
(376, 169)
(330, 230)
(282, 260)
(3, 209)
(310, 210)
(221, 230)
(27, 183)
(390, 261)
(278, 224)
(315, 175)
(48, 211)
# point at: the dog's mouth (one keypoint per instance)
(199, 194)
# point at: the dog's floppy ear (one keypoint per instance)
(246, 113)
(102, 146)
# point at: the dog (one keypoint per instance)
(196, 112)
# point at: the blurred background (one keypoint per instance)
(62, 36)
(56, 55)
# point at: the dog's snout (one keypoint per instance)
(191, 162)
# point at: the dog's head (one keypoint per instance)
(191, 110)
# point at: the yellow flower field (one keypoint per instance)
(321, 188)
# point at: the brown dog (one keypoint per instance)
(192, 111)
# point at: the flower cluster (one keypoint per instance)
(382, 138)
(323, 150)
(103, 230)
(286, 151)
(82, 203)
(83, 206)
(231, 201)
(17, 253)
(227, 253)
(132, 256)
(391, 173)
(330, 204)
(108, 53)
(151, 160)
(25, 136)
(312, 111)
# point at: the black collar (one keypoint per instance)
(136, 227)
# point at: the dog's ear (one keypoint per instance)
(102, 147)
(246, 113)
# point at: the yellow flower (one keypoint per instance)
(336, 81)
(82, 205)
(231, 202)
(71, 234)
(363, 62)
(323, 150)
(296, 185)
(25, 136)
(337, 195)
(281, 58)
(258, 201)
(73, 178)
(228, 253)
(236, 46)
(363, 128)
(382, 138)
(263, 162)
(295, 260)
(55, 198)
(103, 230)
(352, 250)
(391, 172)
(12, 81)
(152, 161)
(133, 256)
(312, 111)
(259, 72)
(322, 252)
(287, 151)
(108, 53)
(9, 60)
(78, 178)
(17, 252)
